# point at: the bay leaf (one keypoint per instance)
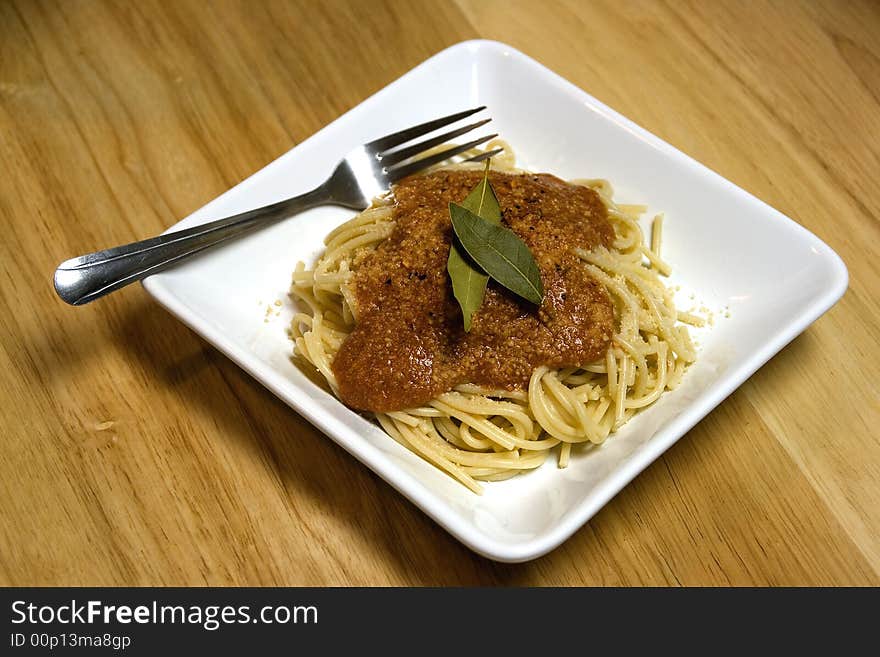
(468, 281)
(499, 252)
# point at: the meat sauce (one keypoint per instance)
(409, 343)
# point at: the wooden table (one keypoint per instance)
(134, 453)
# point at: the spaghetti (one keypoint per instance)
(477, 434)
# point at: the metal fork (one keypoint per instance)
(364, 173)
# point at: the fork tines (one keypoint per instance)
(387, 152)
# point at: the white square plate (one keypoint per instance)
(728, 249)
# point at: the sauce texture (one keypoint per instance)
(409, 343)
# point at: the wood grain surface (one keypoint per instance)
(134, 453)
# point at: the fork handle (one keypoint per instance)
(89, 277)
